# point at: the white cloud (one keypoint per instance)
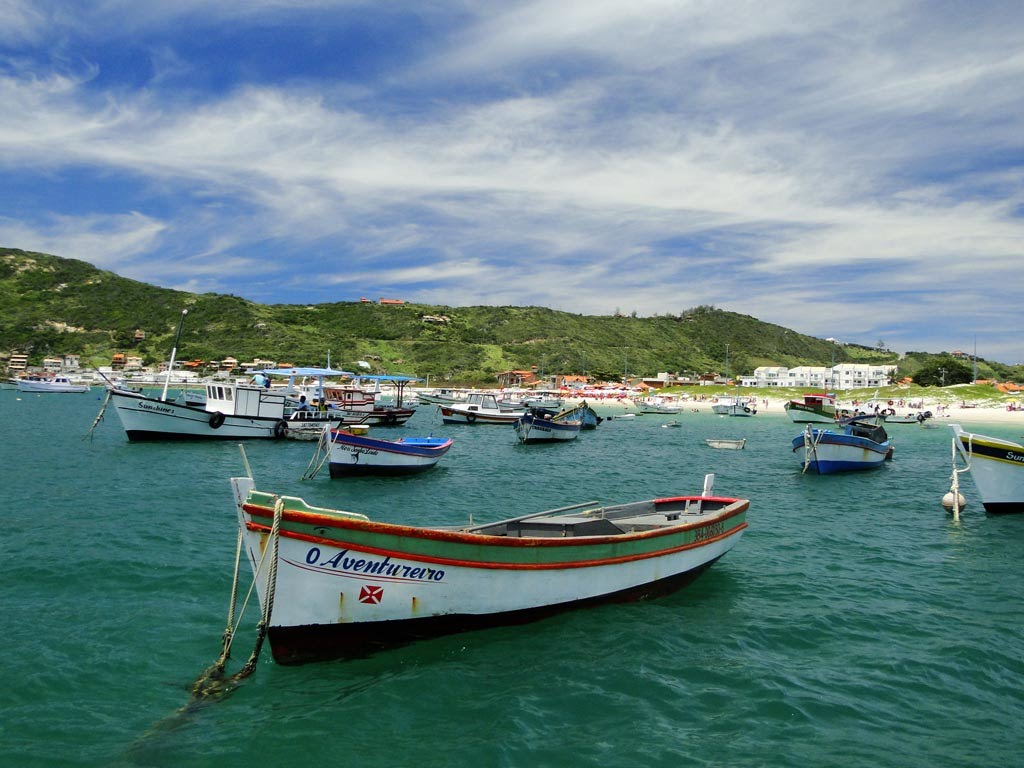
(615, 155)
(109, 242)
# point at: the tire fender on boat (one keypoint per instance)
(280, 429)
(390, 419)
(471, 417)
(216, 420)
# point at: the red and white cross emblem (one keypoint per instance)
(370, 594)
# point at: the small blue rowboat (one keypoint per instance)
(858, 445)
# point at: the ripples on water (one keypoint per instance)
(854, 625)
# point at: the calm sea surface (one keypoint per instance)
(855, 624)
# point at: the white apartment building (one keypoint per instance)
(842, 376)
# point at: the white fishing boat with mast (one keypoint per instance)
(231, 411)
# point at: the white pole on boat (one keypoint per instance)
(174, 351)
(709, 484)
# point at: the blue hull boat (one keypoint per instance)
(856, 446)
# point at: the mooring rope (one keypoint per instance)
(212, 681)
(322, 444)
(811, 446)
(954, 488)
(99, 416)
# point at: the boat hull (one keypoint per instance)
(835, 452)
(52, 388)
(352, 455)
(323, 642)
(997, 469)
(456, 415)
(347, 585)
(149, 419)
(733, 409)
(536, 429)
(803, 414)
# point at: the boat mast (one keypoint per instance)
(174, 351)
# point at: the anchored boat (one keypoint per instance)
(997, 467)
(857, 445)
(333, 583)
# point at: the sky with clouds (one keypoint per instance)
(847, 170)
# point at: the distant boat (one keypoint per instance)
(909, 418)
(583, 413)
(733, 406)
(997, 467)
(57, 384)
(359, 405)
(817, 408)
(658, 404)
(478, 408)
(443, 396)
(539, 425)
(344, 585)
(729, 445)
(858, 445)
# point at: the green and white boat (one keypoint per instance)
(333, 583)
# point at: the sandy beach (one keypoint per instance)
(941, 413)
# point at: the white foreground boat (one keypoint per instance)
(997, 467)
(333, 583)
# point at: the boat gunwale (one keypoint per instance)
(326, 519)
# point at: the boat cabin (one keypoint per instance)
(241, 400)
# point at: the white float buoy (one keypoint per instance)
(950, 498)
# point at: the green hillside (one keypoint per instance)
(54, 306)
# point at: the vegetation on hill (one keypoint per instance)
(54, 306)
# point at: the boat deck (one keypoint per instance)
(608, 521)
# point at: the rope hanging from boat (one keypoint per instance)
(323, 446)
(954, 488)
(811, 446)
(212, 682)
(99, 416)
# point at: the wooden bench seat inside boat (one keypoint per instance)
(564, 526)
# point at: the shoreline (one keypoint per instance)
(941, 413)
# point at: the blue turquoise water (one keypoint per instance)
(856, 624)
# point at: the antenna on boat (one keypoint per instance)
(174, 351)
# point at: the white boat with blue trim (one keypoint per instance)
(354, 452)
(857, 445)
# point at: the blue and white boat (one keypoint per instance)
(353, 452)
(582, 413)
(857, 445)
(539, 425)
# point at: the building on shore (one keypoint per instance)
(841, 376)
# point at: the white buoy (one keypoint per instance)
(950, 498)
